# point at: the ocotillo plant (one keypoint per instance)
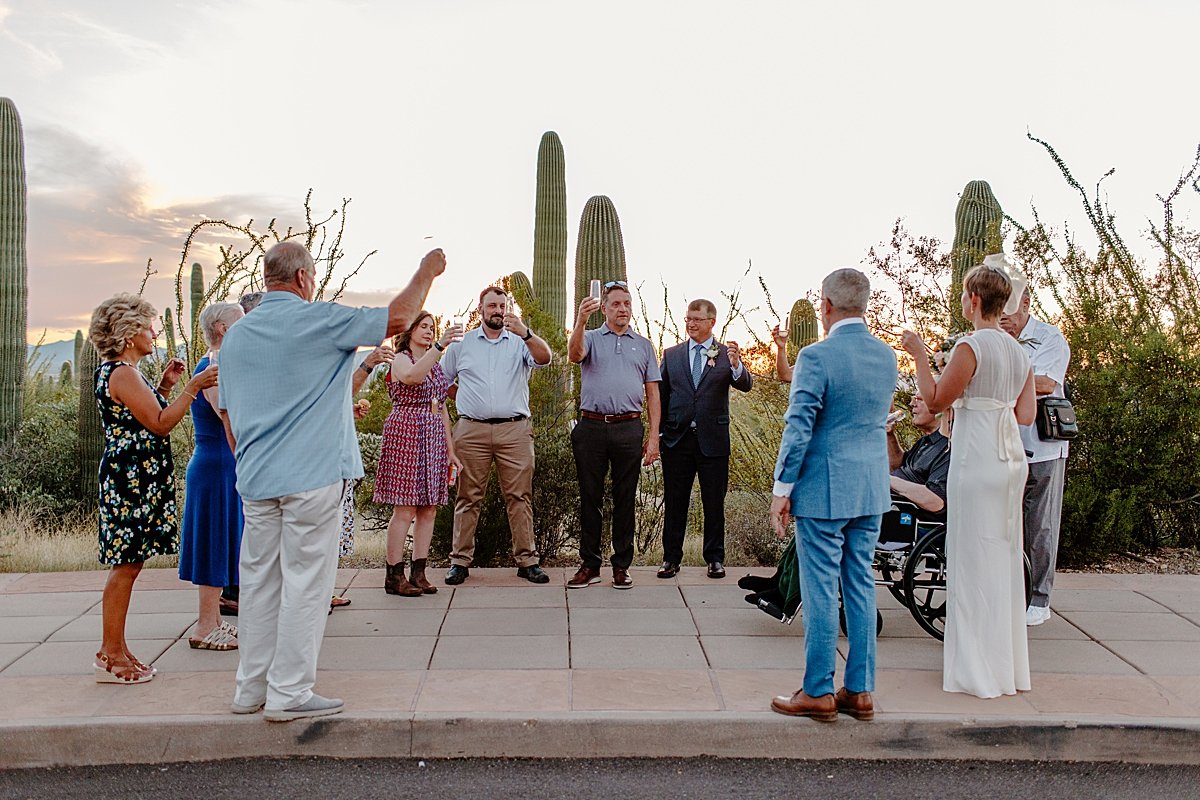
(13, 269)
(91, 434)
(976, 234)
(599, 251)
(550, 228)
(802, 328)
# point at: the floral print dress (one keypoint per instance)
(137, 482)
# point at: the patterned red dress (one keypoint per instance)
(413, 459)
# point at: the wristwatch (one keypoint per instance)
(440, 347)
(363, 366)
(528, 335)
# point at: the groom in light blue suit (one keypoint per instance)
(832, 475)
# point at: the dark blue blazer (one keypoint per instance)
(707, 404)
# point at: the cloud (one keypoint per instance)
(92, 229)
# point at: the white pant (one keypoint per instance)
(288, 565)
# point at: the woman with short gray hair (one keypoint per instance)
(212, 511)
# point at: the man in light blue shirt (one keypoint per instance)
(285, 382)
(492, 365)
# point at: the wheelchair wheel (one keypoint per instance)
(842, 620)
(925, 583)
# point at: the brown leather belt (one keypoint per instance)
(610, 417)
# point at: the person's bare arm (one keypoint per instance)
(650, 451)
(405, 306)
(229, 437)
(921, 495)
(895, 453)
(537, 345)
(127, 388)
(1044, 385)
(783, 370)
(940, 394)
(1026, 408)
(576, 349)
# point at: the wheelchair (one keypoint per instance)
(910, 560)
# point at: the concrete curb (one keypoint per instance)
(148, 740)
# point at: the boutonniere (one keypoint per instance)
(712, 352)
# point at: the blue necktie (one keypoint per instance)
(697, 365)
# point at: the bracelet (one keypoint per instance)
(363, 366)
(189, 394)
(528, 335)
(440, 347)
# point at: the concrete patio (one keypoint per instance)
(499, 666)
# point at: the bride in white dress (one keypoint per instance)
(990, 385)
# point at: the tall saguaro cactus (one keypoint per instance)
(550, 228)
(13, 269)
(802, 327)
(197, 349)
(977, 222)
(78, 348)
(599, 251)
(522, 291)
(91, 434)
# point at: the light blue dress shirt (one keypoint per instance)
(285, 373)
(493, 374)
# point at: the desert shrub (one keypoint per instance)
(37, 468)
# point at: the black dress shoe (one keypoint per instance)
(716, 569)
(668, 570)
(533, 573)
(456, 575)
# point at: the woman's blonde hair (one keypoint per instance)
(117, 320)
(991, 286)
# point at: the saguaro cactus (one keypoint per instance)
(91, 434)
(599, 251)
(13, 269)
(550, 228)
(802, 327)
(522, 292)
(976, 234)
(197, 298)
(78, 348)
(66, 377)
(169, 333)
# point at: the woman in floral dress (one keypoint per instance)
(417, 453)
(137, 487)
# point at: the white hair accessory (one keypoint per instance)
(1016, 280)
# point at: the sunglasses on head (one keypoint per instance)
(611, 284)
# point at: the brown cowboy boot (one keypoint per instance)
(417, 577)
(395, 583)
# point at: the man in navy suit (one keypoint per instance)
(832, 475)
(696, 376)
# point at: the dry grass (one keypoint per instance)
(34, 542)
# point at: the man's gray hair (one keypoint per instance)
(228, 313)
(250, 300)
(848, 290)
(283, 261)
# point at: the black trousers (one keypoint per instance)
(600, 447)
(680, 465)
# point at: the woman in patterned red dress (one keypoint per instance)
(417, 454)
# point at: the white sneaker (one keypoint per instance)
(1036, 615)
(316, 706)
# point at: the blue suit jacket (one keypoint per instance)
(834, 447)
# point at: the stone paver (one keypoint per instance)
(1117, 647)
(501, 652)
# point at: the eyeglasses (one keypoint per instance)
(698, 319)
(611, 284)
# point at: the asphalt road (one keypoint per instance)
(626, 778)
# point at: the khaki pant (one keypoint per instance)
(510, 446)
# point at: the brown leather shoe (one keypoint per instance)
(668, 570)
(396, 583)
(857, 704)
(584, 577)
(822, 709)
(621, 579)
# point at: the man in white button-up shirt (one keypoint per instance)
(1049, 355)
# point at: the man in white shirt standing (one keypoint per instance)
(1049, 355)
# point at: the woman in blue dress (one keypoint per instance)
(212, 511)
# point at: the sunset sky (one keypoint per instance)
(790, 133)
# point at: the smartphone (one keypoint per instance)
(595, 289)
